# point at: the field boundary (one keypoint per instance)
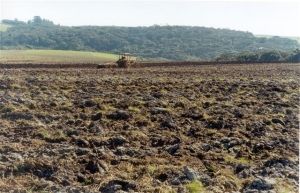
(48, 65)
(137, 65)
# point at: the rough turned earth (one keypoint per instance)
(228, 128)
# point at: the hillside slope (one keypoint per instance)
(54, 56)
(160, 42)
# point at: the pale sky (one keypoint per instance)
(279, 17)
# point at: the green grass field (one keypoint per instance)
(4, 27)
(54, 56)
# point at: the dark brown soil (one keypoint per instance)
(231, 128)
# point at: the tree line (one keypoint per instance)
(262, 56)
(154, 42)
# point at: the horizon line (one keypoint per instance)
(153, 25)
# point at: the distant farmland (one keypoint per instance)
(4, 27)
(54, 56)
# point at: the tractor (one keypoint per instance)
(125, 60)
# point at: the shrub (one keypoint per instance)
(294, 56)
(248, 57)
(195, 187)
(270, 56)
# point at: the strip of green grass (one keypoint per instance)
(54, 56)
(4, 27)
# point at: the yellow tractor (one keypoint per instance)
(126, 60)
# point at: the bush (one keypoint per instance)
(248, 57)
(270, 56)
(266, 56)
(195, 187)
(294, 56)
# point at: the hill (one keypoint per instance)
(54, 56)
(159, 42)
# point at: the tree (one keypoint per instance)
(37, 20)
(12, 22)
